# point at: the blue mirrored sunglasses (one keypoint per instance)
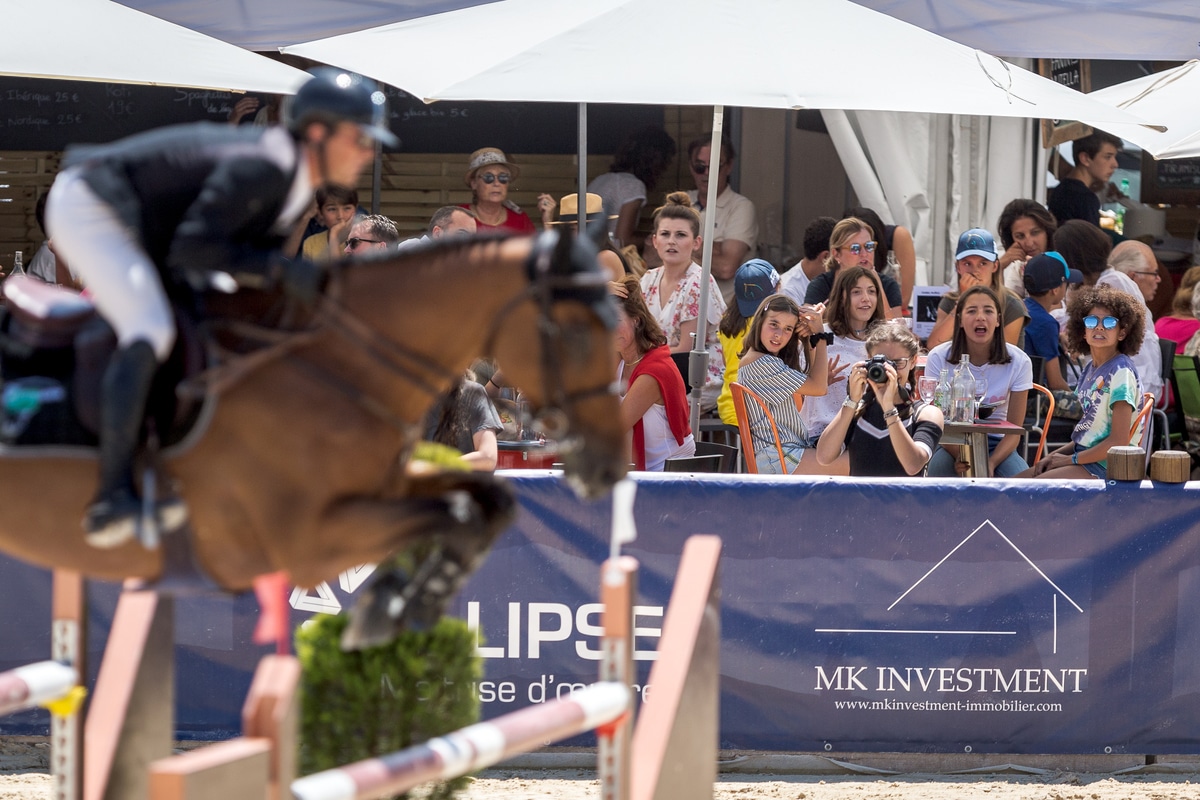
(492, 177)
(1093, 321)
(858, 248)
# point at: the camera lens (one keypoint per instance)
(876, 373)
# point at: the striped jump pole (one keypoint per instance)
(34, 684)
(469, 749)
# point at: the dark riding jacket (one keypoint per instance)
(201, 197)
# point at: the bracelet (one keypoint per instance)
(1075, 458)
(817, 338)
(850, 404)
(895, 412)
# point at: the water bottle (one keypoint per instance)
(941, 395)
(18, 263)
(962, 394)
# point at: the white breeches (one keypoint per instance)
(110, 262)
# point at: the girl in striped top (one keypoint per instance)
(770, 367)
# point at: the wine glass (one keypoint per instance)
(927, 388)
(981, 388)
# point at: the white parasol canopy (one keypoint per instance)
(1168, 97)
(98, 40)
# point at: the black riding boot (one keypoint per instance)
(112, 518)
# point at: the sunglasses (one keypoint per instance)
(857, 249)
(492, 177)
(701, 169)
(1093, 321)
(353, 242)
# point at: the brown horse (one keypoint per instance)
(299, 464)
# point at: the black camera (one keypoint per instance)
(876, 369)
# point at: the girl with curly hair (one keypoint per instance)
(1109, 324)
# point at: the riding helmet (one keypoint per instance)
(332, 96)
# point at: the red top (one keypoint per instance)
(514, 222)
(658, 365)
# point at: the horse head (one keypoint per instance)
(569, 375)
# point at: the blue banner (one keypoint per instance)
(882, 615)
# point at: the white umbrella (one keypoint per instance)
(1168, 97)
(756, 53)
(98, 40)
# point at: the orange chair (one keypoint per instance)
(1043, 427)
(740, 393)
(1141, 423)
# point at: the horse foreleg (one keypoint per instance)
(460, 514)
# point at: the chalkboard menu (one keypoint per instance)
(49, 115)
(1075, 74)
(1175, 180)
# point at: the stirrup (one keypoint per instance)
(112, 521)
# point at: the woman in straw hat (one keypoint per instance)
(489, 173)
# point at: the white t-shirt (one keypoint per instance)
(794, 283)
(819, 410)
(1015, 376)
(616, 189)
(736, 220)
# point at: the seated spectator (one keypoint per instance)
(816, 251)
(1108, 324)
(1181, 324)
(609, 258)
(1026, 230)
(447, 221)
(672, 291)
(1075, 197)
(465, 419)
(755, 281)
(770, 367)
(852, 245)
(1089, 250)
(895, 253)
(653, 398)
(336, 209)
(639, 163)
(975, 262)
(879, 429)
(979, 335)
(1046, 279)
(853, 309)
(489, 173)
(373, 233)
(45, 264)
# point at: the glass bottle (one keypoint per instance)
(962, 393)
(941, 395)
(18, 264)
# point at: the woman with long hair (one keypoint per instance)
(855, 306)
(1108, 324)
(770, 366)
(672, 291)
(880, 429)
(852, 244)
(1007, 370)
(895, 253)
(1026, 230)
(653, 398)
(975, 262)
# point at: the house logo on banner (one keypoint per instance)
(321, 599)
(985, 619)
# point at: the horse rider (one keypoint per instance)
(180, 205)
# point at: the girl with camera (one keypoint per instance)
(770, 367)
(879, 428)
(1005, 368)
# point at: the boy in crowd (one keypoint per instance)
(1095, 161)
(1046, 279)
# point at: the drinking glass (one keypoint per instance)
(981, 388)
(927, 388)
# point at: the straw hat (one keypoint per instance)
(486, 157)
(568, 209)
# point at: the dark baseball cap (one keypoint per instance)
(1048, 271)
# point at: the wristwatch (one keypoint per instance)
(850, 404)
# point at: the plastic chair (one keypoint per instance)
(740, 393)
(1040, 428)
(696, 463)
(1185, 382)
(1138, 431)
(728, 454)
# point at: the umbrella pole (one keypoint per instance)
(698, 358)
(583, 151)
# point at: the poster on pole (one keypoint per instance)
(925, 308)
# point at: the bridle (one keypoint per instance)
(551, 280)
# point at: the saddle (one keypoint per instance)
(54, 348)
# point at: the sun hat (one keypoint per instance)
(754, 282)
(1047, 271)
(568, 209)
(486, 157)
(976, 242)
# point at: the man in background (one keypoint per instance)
(447, 221)
(816, 250)
(370, 234)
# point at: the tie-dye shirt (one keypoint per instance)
(1115, 381)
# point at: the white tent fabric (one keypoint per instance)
(105, 41)
(1170, 97)
(562, 45)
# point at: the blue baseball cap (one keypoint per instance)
(976, 242)
(755, 281)
(1048, 271)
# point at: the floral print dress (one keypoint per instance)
(681, 305)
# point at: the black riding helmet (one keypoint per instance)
(331, 96)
